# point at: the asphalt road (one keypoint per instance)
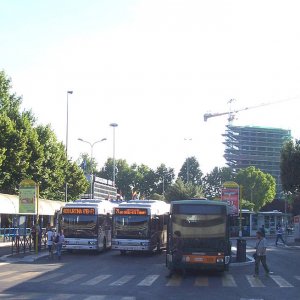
(109, 276)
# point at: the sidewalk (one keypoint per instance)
(7, 256)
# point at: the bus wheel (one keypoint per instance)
(123, 252)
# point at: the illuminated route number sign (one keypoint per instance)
(78, 211)
(131, 211)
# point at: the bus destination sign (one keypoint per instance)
(78, 211)
(131, 211)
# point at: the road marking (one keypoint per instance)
(297, 277)
(106, 297)
(122, 280)
(46, 277)
(3, 263)
(96, 297)
(4, 274)
(71, 279)
(251, 299)
(148, 280)
(228, 281)
(254, 281)
(96, 280)
(174, 281)
(280, 281)
(22, 276)
(201, 281)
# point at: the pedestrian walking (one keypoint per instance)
(260, 254)
(263, 231)
(59, 241)
(177, 254)
(50, 237)
(279, 232)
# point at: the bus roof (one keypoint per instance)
(102, 206)
(203, 202)
(199, 201)
(154, 206)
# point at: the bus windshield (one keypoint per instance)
(76, 226)
(201, 227)
(128, 226)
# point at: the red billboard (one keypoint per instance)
(230, 194)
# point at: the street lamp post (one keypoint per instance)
(92, 146)
(114, 125)
(67, 140)
(187, 164)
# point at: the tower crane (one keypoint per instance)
(231, 113)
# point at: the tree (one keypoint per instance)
(290, 166)
(27, 151)
(257, 187)
(212, 182)
(164, 178)
(183, 191)
(125, 176)
(190, 171)
(20, 150)
(87, 165)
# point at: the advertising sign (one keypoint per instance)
(27, 197)
(230, 194)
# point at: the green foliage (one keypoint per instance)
(32, 152)
(190, 171)
(156, 196)
(290, 166)
(138, 178)
(183, 191)
(212, 182)
(257, 187)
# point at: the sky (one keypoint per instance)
(154, 67)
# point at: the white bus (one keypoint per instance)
(140, 225)
(87, 224)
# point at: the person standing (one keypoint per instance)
(50, 238)
(279, 232)
(177, 254)
(59, 241)
(263, 231)
(260, 254)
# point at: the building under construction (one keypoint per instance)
(255, 146)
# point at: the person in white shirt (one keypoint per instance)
(260, 254)
(50, 237)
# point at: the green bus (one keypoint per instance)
(204, 228)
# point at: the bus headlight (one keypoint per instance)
(115, 243)
(220, 259)
(91, 243)
(145, 243)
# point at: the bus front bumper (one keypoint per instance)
(130, 245)
(200, 261)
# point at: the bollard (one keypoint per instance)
(241, 250)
